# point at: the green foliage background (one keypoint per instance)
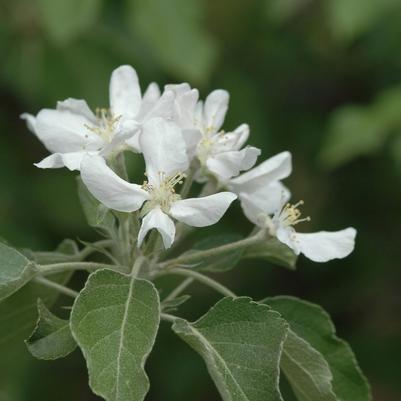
(320, 78)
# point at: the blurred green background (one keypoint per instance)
(321, 79)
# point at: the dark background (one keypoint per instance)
(321, 79)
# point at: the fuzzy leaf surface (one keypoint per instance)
(114, 321)
(15, 270)
(220, 263)
(311, 323)
(52, 337)
(241, 342)
(273, 251)
(306, 370)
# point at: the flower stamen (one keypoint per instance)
(290, 214)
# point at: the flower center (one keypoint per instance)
(106, 124)
(164, 194)
(290, 214)
(206, 145)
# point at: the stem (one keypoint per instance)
(65, 266)
(199, 255)
(168, 318)
(179, 289)
(199, 277)
(85, 252)
(58, 287)
(137, 265)
(187, 183)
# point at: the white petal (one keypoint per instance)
(242, 133)
(127, 130)
(163, 148)
(30, 121)
(77, 106)
(215, 109)
(163, 107)
(152, 93)
(111, 190)
(159, 220)
(191, 138)
(288, 236)
(125, 93)
(276, 168)
(324, 246)
(229, 164)
(267, 200)
(64, 132)
(57, 160)
(201, 212)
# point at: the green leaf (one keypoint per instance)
(174, 33)
(273, 251)
(311, 323)
(306, 370)
(221, 263)
(15, 270)
(97, 215)
(66, 19)
(241, 342)
(65, 252)
(51, 338)
(173, 304)
(114, 321)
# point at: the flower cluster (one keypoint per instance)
(181, 139)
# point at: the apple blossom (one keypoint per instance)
(72, 130)
(166, 159)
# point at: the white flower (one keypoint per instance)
(219, 151)
(72, 130)
(164, 151)
(260, 190)
(321, 246)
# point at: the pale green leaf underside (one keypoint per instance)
(114, 321)
(306, 370)
(273, 251)
(15, 270)
(313, 324)
(52, 337)
(221, 263)
(241, 343)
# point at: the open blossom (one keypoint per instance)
(166, 160)
(321, 246)
(72, 130)
(260, 189)
(220, 152)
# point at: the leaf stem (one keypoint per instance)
(137, 266)
(168, 318)
(58, 287)
(198, 277)
(199, 255)
(67, 266)
(179, 289)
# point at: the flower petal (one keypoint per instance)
(229, 164)
(57, 160)
(163, 107)
(159, 220)
(276, 168)
(125, 93)
(77, 106)
(111, 190)
(215, 109)
(263, 202)
(63, 131)
(324, 246)
(201, 212)
(163, 148)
